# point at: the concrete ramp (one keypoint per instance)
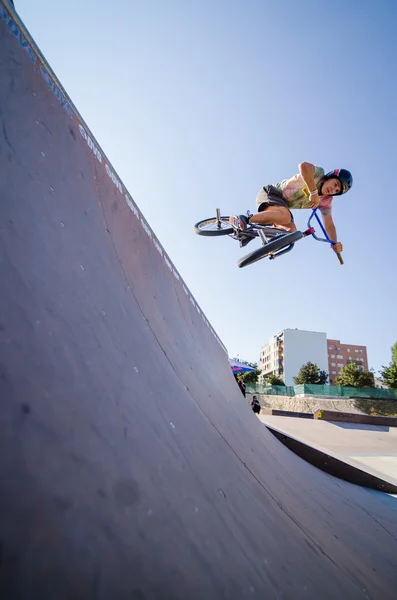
(131, 466)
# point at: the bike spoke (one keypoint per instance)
(213, 225)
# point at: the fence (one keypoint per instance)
(322, 390)
(273, 390)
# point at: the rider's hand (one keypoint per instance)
(314, 200)
(338, 247)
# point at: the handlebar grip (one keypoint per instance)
(338, 254)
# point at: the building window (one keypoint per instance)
(333, 372)
(340, 365)
(332, 355)
(348, 349)
(333, 365)
(339, 356)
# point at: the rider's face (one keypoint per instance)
(331, 187)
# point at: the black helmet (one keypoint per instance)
(345, 178)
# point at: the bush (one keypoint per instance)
(273, 379)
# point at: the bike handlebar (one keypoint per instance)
(327, 239)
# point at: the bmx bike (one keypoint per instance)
(275, 242)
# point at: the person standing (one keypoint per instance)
(242, 386)
(255, 405)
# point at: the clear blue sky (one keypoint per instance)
(198, 104)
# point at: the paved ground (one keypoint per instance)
(368, 447)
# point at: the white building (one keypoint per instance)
(285, 353)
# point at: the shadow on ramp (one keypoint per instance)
(332, 465)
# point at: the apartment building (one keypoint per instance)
(285, 353)
(339, 355)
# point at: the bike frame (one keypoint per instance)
(267, 231)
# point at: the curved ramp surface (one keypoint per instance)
(131, 466)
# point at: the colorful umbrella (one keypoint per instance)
(239, 367)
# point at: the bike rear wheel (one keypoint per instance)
(213, 227)
(278, 244)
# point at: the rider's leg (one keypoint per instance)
(273, 210)
(279, 216)
(289, 228)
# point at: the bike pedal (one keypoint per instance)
(245, 241)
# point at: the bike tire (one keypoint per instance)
(273, 246)
(199, 228)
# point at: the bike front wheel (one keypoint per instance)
(214, 227)
(270, 248)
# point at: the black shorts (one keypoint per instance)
(270, 196)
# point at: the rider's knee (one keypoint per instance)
(291, 226)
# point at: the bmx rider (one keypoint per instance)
(310, 188)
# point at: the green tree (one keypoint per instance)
(389, 374)
(249, 376)
(311, 373)
(273, 379)
(352, 375)
(394, 353)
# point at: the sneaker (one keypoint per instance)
(239, 222)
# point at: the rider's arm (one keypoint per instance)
(307, 172)
(330, 228)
